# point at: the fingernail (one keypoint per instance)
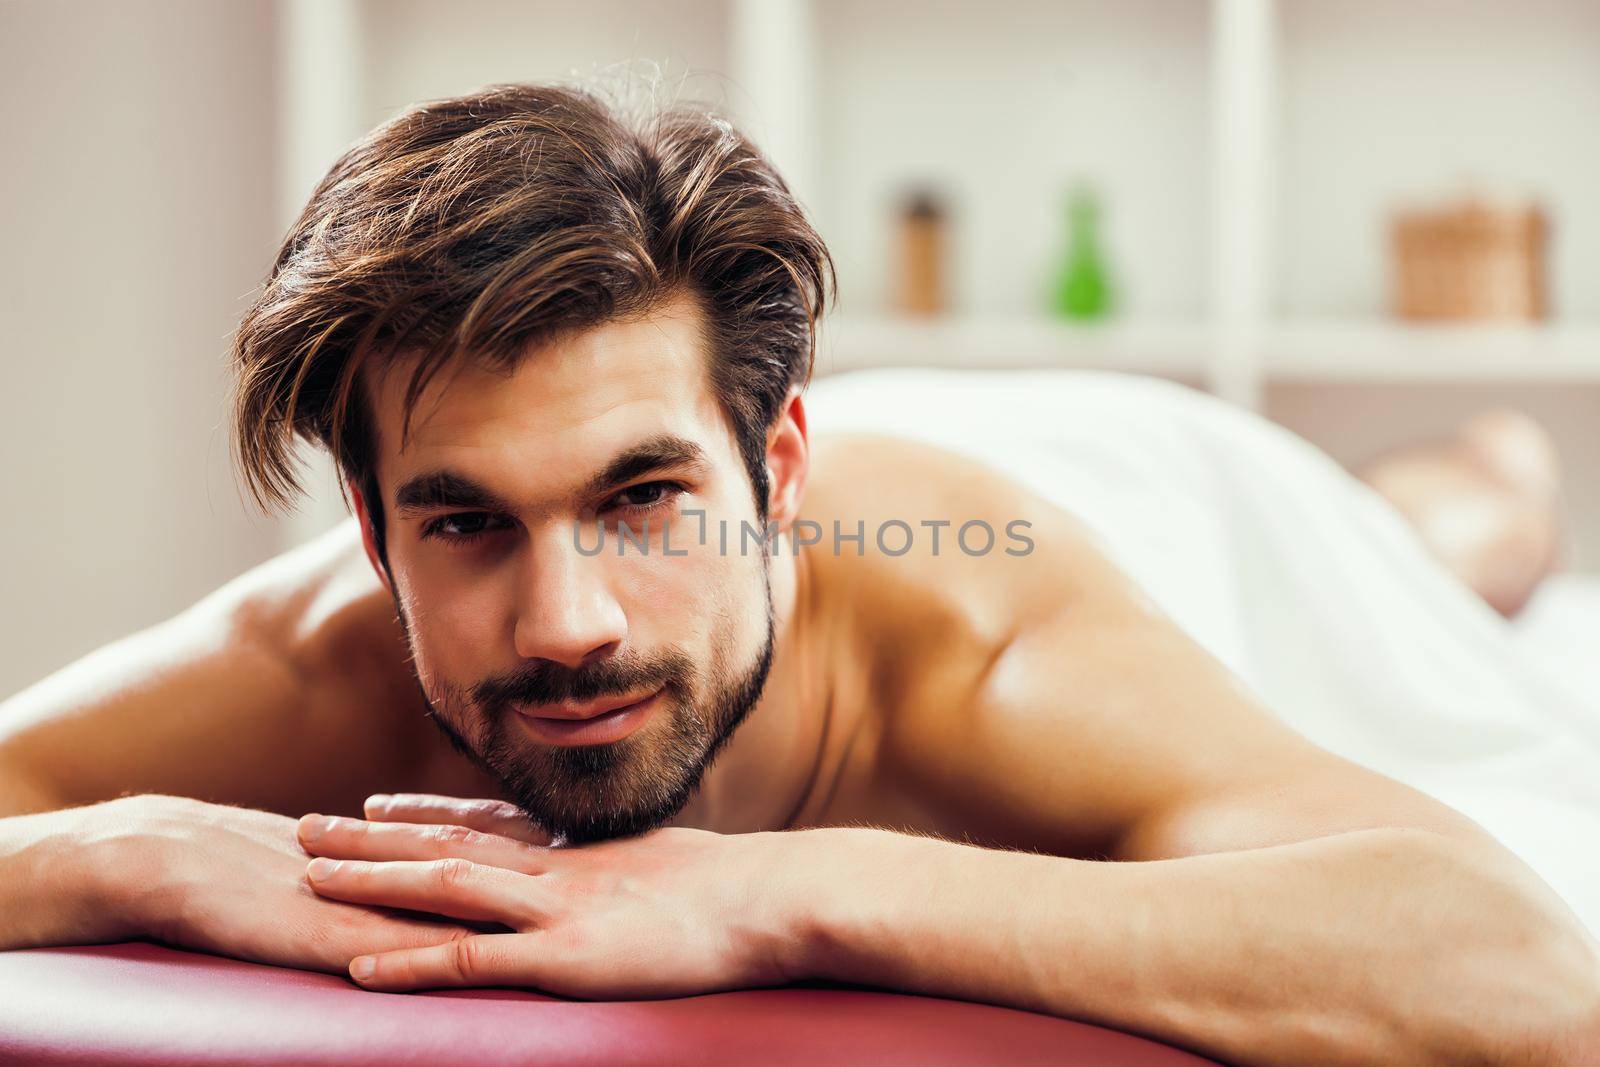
(319, 869)
(379, 800)
(361, 968)
(312, 827)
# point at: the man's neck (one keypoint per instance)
(772, 764)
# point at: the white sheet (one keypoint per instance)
(1560, 628)
(1293, 573)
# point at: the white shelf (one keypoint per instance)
(1312, 351)
(1166, 349)
(1398, 352)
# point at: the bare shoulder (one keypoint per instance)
(939, 619)
(286, 689)
(359, 724)
(944, 531)
(1043, 701)
(323, 609)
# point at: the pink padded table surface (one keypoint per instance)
(138, 1004)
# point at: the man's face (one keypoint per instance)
(494, 508)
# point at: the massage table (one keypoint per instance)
(138, 1004)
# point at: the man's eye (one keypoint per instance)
(645, 495)
(461, 526)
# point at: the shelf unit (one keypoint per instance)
(1221, 352)
(1238, 346)
(1307, 351)
(1307, 107)
(1174, 350)
(1381, 353)
(776, 62)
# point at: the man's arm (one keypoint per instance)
(270, 694)
(1295, 907)
(1393, 946)
(1376, 946)
(285, 690)
(1389, 945)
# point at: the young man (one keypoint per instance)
(559, 360)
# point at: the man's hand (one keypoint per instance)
(232, 881)
(672, 912)
(488, 816)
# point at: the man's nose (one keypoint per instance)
(566, 612)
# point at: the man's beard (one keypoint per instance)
(582, 793)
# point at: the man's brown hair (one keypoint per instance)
(482, 225)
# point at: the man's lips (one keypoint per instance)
(590, 710)
(601, 722)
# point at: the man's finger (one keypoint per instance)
(488, 816)
(403, 934)
(456, 888)
(350, 928)
(357, 839)
(484, 959)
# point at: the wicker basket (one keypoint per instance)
(1470, 261)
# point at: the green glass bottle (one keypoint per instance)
(1082, 290)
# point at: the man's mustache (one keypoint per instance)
(544, 682)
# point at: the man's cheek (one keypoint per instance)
(678, 581)
(462, 630)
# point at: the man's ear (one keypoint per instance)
(364, 520)
(788, 462)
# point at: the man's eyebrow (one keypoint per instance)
(663, 450)
(448, 489)
(445, 489)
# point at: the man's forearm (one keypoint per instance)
(1392, 946)
(50, 894)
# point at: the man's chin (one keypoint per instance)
(589, 793)
(569, 827)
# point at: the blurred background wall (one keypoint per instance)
(139, 213)
(1202, 189)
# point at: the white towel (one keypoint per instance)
(1293, 573)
